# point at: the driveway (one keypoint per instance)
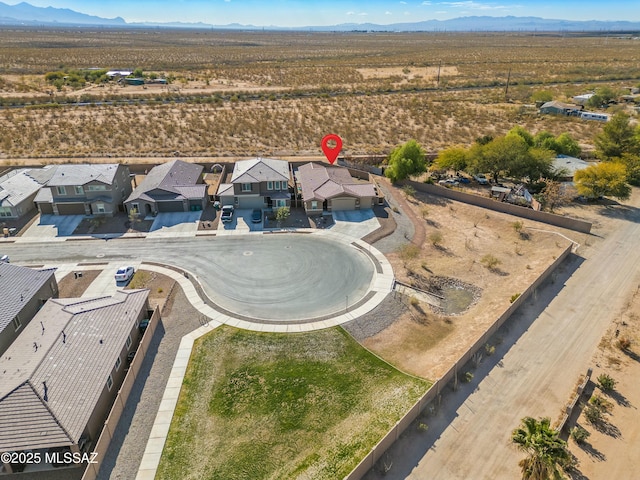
(355, 223)
(52, 227)
(175, 224)
(240, 223)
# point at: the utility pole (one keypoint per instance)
(438, 80)
(506, 90)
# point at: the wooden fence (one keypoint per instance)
(434, 392)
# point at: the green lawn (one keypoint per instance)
(272, 406)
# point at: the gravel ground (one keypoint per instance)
(377, 319)
(405, 229)
(130, 439)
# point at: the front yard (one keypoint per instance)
(260, 406)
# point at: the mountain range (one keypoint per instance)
(28, 15)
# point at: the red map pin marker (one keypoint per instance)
(331, 152)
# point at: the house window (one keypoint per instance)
(5, 211)
(284, 185)
(100, 207)
(314, 205)
(97, 188)
(118, 363)
(281, 203)
(61, 190)
(109, 382)
(246, 187)
(128, 342)
(79, 190)
(16, 323)
(269, 185)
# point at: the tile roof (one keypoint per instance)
(225, 189)
(260, 170)
(320, 182)
(18, 285)
(172, 177)
(16, 186)
(78, 341)
(82, 173)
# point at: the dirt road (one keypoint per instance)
(533, 371)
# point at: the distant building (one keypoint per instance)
(582, 99)
(558, 108)
(332, 188)
(59, 378)
(175, 186)
(569, 166)
(23, 291)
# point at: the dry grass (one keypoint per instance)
(244, 94)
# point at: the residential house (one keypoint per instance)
(257, 183)
(558, 108)
(60, 377)
(17, 193)
(567, 167)
(22, 292)
(174, 186)
(83, 189)
(332, 188)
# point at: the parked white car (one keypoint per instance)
(481, 179)
(124, 274)
(227, 214)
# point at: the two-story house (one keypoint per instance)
(257, 183)
(84, 189)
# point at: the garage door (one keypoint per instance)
(170, 207)
(71, 209)
(45, 208)
(338, 204)
(250, 202)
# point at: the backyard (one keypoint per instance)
(282, 406)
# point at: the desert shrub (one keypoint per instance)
(414, 302)
(579, 434)
(593, 414)
(489, 349)
(624, 343)
(600, 402)
(514, 297)
(606, 382)
(490, 261)
(436, 238)
(408, 252)
(467, 377)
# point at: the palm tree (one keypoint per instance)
(546, 452)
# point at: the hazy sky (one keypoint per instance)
(310, 12)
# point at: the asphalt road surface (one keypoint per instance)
(272, 277)
(549, 344)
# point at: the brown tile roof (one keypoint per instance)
(176, 177)
(70, 346)
(320, 182)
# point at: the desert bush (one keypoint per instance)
(489, 349)
(514, 297)
(579, 434)
(408, 252)
(592, 413)
(436, 238)
(624, 343)
(606, 382)
(490, 261)
(600, 402)
(467, 377)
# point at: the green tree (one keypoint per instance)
(541, 96)
(499, 155)
(545, 139)
(282, 213)
(605, 179)
(535, 164)
(453, 158)
(405, 161)
(617, 137)
(632, 164)
(522, 132)
(567, 145)
(602, 96)
(546, 451)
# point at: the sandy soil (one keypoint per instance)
(71, 287)
(611, 452)
(468, 234)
